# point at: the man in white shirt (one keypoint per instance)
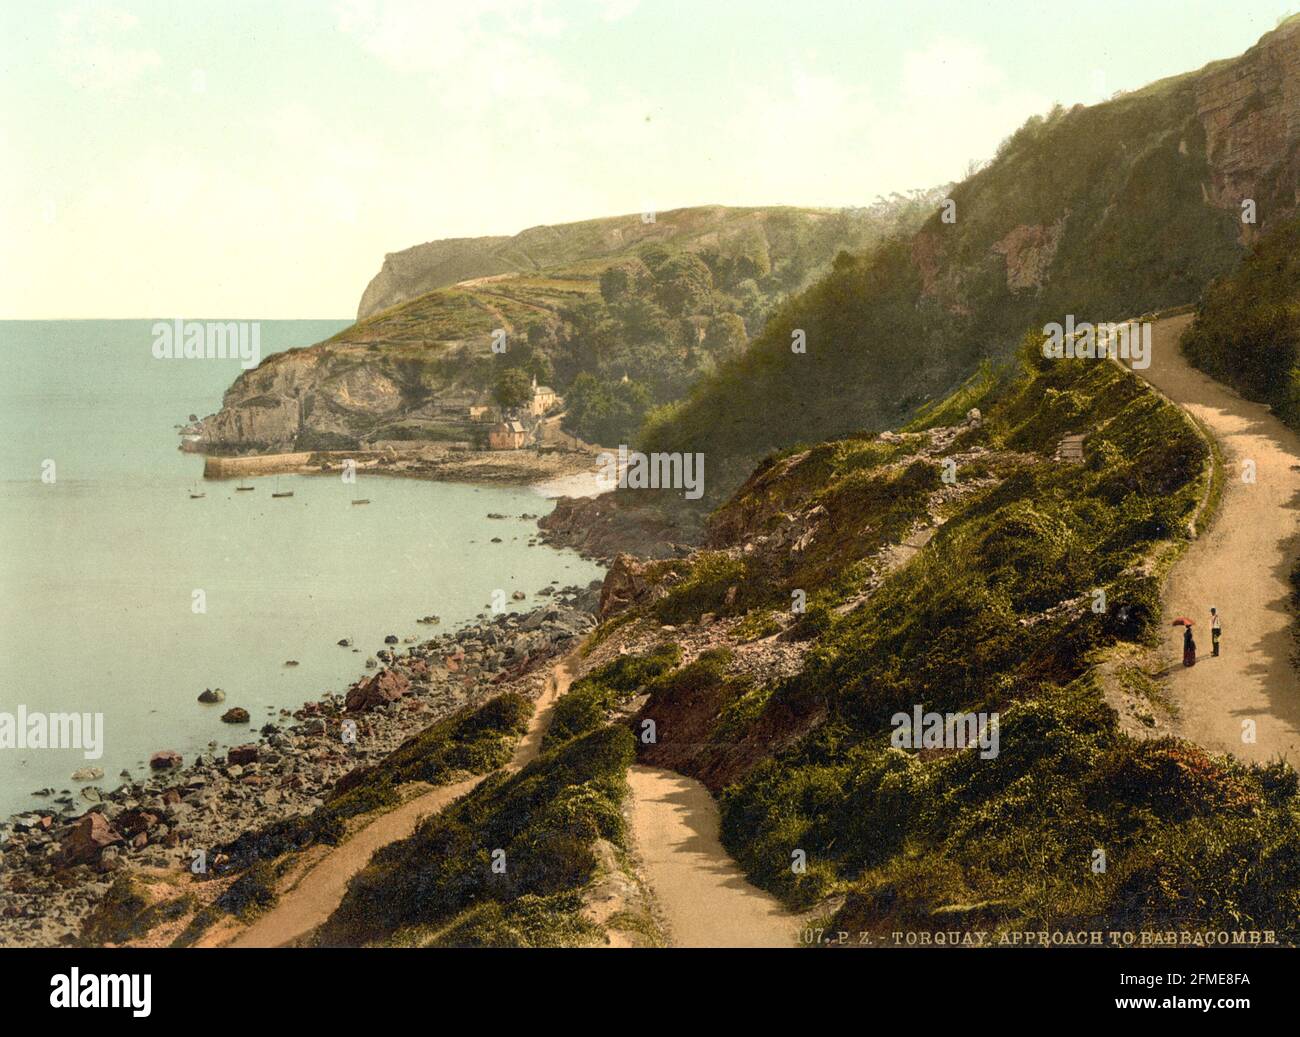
(1214, 630)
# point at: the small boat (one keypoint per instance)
(195, 494)
(278, 493)
(363, 500)
(241, 488)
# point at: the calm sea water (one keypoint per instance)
(99, 569)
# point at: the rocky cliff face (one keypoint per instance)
(422, 351)
(307, 394)
(1250, 109)
(438, 264)
(1108, 211)
(423, 268)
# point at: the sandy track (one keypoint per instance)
(1241, 567)
(319, 892)
(703, 895)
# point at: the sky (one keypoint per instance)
(249, 159)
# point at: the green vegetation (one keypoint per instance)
(590, 701)
(512, 388)
(994, 616)
(470, 741)
(126, 912)
(641, 310)
(539, 827)
(1116, 229)
(252, 893)
(1247, 327)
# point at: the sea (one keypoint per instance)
(121, 595)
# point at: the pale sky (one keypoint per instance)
(257, 158)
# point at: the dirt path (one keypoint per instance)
(704, 896)
(320, 890)
(1241, 567)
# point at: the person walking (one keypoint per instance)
(1189, 647)
(1215, 626)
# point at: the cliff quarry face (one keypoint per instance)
(1250, 109)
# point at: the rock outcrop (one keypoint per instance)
(1250, 109)
(381, 689)
(88, 839)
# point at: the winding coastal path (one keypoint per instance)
(318, 893)
(701, 892)
(1241, 566)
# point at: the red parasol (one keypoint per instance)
(1183, 621)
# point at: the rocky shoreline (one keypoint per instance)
(623, 522)
(56, 865)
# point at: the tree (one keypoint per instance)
(513, 388)
(682, 284)
(624, 280)
(605, 412)
(724, 335)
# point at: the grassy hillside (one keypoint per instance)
(619, 315)
(1247, 327)
(1099, 212)
(1074, 824)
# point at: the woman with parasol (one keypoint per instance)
(1189, 645)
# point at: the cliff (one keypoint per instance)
(422, 351)
(1103, 212)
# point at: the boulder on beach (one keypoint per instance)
(211, 695)
(242, 755)
(345, 642)
(87, 774)
(135, 821)
(165, 760)
(235, 715)
(379, 690)
(391, 639)
(88, 839)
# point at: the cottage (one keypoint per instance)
(507, 435)
(544, 398)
